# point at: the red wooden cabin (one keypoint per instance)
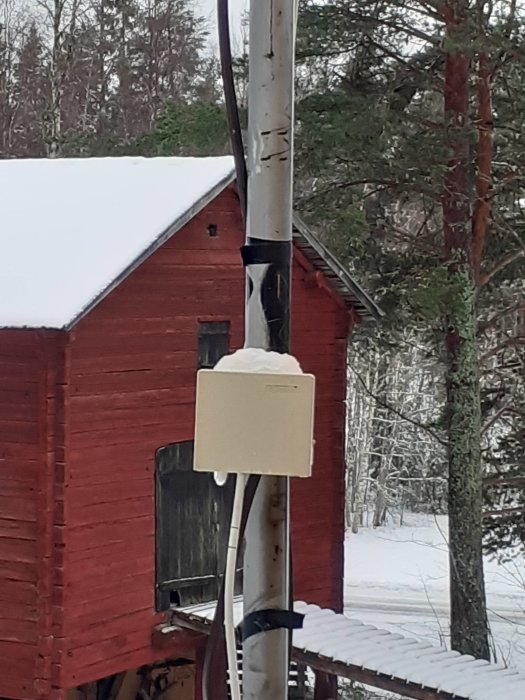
(119, 278)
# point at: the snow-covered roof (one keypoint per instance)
(70, 229)
(347, 645)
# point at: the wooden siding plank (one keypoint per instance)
(19, 508)
(16, 592)
(19, 629)
(85, 495)
(116, 606)
(20, 432)
(16, 666)
(18, 550)
(179, 344)
(175, 429)
(15, 451)
(18, 571)
(16, 473)
(131, 381)
(120, 511)
(98, 590)
(134, 400)
(119, 422)
(122, 550)
(82, 537)
(130, 654)
(129, 361)
(90, 644)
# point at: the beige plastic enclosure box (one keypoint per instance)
(254, 423)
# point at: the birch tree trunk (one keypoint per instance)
(54, 136)
(360, 436)
(62, 17)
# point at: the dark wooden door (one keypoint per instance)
(192, 529)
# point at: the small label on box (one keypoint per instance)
(281, 388)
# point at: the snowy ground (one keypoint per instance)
(397, 578)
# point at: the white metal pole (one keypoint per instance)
(268, 265)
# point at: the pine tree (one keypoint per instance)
(395, 162)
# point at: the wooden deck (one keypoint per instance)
(336, 645)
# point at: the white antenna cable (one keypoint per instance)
(229, 587)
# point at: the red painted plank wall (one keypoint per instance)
(320, 332)
(28, 364)
(131, 377)
(131, 390)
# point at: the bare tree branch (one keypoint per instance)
(505, 262)
(401, 415)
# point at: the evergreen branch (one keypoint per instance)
(395, 411)
(410, 31)
(507, 33)
(512, 342)
(497, 416)
(334, 53)
(505, 262)
(391, 54)
(490, 322)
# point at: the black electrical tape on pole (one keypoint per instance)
(267, 620)
(259, 251)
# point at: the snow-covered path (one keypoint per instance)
(397, 578)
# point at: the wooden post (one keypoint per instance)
(325, 686)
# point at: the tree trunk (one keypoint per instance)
(380, 504)
(469, 627)
(54, 131)
(360, 419)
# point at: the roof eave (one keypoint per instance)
(368, 309)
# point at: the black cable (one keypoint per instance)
(232, 108)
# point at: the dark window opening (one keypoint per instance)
(192, 515)
(214, 342)
(213, 231)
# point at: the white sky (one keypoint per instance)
(208, 9)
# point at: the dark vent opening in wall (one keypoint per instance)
(175, 600)
(213, 231)
(214, 342)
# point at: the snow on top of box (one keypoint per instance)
(259, 361)
(70, 228)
